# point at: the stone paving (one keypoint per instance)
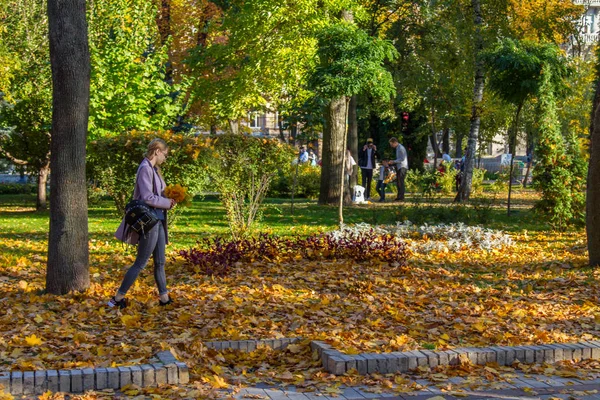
(522, 386)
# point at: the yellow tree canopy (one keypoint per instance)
(544, 20)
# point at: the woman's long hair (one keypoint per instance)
(156, 144)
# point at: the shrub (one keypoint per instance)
(216, 257)
(446, 182)
(477, 180)
(18, 188)
(241, 170)
(113, 162)
(307, 183)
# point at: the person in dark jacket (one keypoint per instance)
(367, 158)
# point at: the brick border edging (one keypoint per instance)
(251, 345)
(167, 371)
(338, 363)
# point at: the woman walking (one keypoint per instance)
(149, 186)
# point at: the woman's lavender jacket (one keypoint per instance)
(144, 191)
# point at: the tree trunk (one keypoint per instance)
(458, 149)
(213, 129)
(446, 140)
(512, 148)
(281, 130)
(464, 191)
(293, 133)
(353, 139)
(234, 126)
(68, 252)
(41, 192)
(433, 140)
(332, 156)
(593, 183)
(163, 20)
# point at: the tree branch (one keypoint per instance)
(12, 159)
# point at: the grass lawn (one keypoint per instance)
(538, 291)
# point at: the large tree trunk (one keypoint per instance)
(42, 181)
(68, 252)
(593, 182)
(353, 140)
(332, 156)
(464, 191)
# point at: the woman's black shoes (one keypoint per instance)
(120, 304)
(165, 303)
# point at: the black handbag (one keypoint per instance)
(140, 217)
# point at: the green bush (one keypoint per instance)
(446, 182)
(18, 188)
(113, 162)
(308, 181)
(241, 170)
(477, 180)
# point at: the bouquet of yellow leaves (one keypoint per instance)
(179, 194)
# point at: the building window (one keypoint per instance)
(254, 120)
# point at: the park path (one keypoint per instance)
(521, 386)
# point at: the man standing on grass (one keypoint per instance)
(401, 164)
(366, 161)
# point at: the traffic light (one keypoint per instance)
(405, 117)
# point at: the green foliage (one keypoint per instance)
(351, 62)
(28, 135)
(552, 174)
(241, 170)
(432, 183)
(25, 84)
(129, 85)
(17, 188)
(307, 181)
(113, 162)
(447, 181)
(258, 53)
(516, 68)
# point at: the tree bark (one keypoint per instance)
(592, 224)
(446, 140)
(464, 191)
(234, 126)
(353, 139)
(281, 130)
(68, 251)
(41, 203)
(332, 156)
(512, 145)
(458, 153)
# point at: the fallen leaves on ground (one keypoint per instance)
(539, 291)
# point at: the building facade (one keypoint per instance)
(581, 44)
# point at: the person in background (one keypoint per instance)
(401, 165)
(303, 155)
(367, 158)
(312, 157)
(381, 185)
